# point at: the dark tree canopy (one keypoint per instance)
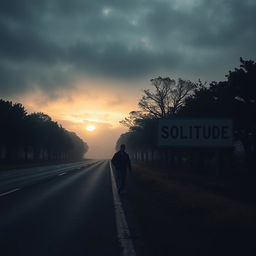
(35, 136)
(233, 98)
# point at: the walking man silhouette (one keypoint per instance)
(121, 162)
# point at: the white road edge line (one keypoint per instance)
(9, 192)
(60, 174)
(123, 232)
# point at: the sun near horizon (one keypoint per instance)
(90, 127)
(93, 115)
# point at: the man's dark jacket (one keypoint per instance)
(121, 160)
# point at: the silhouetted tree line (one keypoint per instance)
(35, 137)
(234, 98)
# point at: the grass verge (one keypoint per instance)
(214, 211)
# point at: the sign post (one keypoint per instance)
(196, 133)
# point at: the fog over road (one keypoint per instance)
(58, 210)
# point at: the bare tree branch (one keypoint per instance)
(168, 96)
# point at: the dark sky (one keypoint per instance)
(49, 44)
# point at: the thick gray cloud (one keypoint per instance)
(48, 44)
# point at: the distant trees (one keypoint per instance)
(35, 137)
(234, 98)
(164, 101)
(141, 137)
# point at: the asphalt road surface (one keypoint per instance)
(58, 210)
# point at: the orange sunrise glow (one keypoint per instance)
(94, 118)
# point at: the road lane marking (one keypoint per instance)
(123, 232)
(9, 192)
(60, 174)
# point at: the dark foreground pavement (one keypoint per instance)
(70, 213)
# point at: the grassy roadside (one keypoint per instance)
(177, 218)
(217, 210)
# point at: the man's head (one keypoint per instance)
(122, 147)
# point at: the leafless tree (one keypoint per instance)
(166, 99)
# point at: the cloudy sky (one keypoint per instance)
(86, 62)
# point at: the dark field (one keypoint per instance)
(189, 215)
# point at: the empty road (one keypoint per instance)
(58, 210)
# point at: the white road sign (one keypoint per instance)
(195, 132)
